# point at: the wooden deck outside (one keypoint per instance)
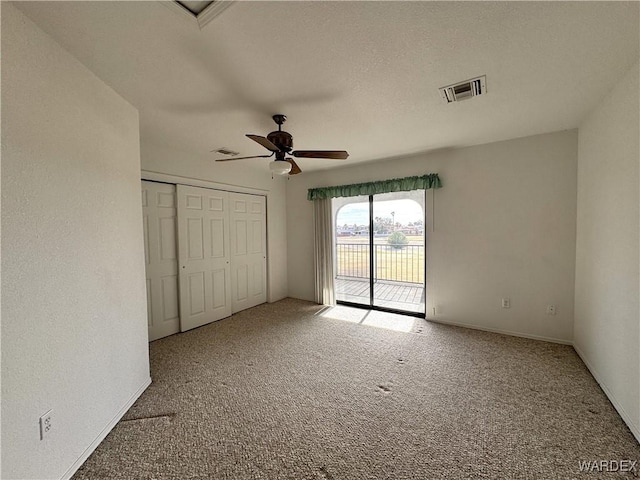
(397, 295)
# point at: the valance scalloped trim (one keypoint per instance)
(405, 184)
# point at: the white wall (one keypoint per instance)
(74, 328)
(233, 176)
(607, 319)
(504, 227)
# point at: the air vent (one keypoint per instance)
(226, 151)
(464, 90)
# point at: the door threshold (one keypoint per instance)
(382, 309)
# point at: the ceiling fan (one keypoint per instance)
(280, 144)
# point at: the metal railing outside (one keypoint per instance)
(400, 263)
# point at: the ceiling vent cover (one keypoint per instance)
(464, 90)
(226, 151)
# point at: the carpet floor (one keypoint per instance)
(281, 391)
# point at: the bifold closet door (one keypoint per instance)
(248, 250)
(161, 261)
(203, 256)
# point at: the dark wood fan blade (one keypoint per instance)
(242, 158)
(264, 142)
(295, 169)
(332, 154)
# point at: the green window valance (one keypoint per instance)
(405, 184)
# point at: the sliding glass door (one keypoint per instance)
(379, 242)
(352, 250)
(398, 251)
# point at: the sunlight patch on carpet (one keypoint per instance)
(371, 318)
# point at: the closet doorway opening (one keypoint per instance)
(379, 251)
(205, 255)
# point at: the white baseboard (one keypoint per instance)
(503, 332)
(105, 431)
(635, 429)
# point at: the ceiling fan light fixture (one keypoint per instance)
(280, 144)
(280, 167)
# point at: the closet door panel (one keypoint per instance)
(248, 250)
(159, 225)
(203, 254)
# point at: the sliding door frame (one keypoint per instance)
(372, 267)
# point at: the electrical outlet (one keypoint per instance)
(506, 303)
(46, 424)
(551, 309)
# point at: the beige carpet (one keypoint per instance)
(280, 392)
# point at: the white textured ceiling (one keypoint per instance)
(359, 76)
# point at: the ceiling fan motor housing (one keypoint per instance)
(281, 139)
